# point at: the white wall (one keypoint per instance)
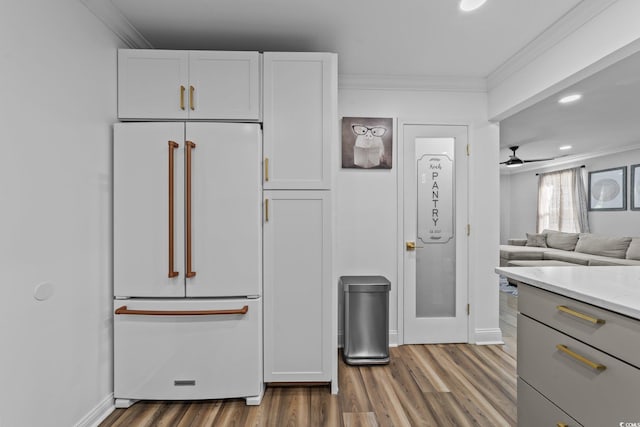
(366, 221)
(505, 208)
(521, 190)
(579, 54)
(58, 69)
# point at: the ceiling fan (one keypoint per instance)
(514, 161)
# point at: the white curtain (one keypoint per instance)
(562, 201)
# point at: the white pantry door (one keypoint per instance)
(224, 224)
(435, 221)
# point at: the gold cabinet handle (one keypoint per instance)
(189, 272)
(182, 89)
(411, 246)
(266, 169)
(562, 425)
(191, 97)
(266, 210)
(594, 320)
(172, 147)
(579, 358)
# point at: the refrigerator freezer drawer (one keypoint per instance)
(184, 355)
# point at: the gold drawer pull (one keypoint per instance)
(582, 316)
(589, 363)
(562, 425)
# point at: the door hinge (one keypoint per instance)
(468, 229)
(468, 150)
(468, 309)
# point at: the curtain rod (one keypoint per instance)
(562, 170)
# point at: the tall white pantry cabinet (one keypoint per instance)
(266, 252)
(300, 120)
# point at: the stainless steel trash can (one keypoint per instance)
(366, 319)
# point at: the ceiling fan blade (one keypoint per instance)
(537, 160)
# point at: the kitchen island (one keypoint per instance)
(578, 345)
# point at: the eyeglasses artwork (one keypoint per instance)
(362, 130)
(367, 142)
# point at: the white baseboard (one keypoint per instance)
(98, 414)
(393, 339)
(488, 336)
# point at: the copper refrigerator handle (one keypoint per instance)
(189, 146)
(125, 310)
(172, 147)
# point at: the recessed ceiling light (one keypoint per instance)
(565, 147)
(469, 5)
(570, 98)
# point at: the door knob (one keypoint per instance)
(411, 246)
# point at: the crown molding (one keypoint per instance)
(575, 18)
(566, 160)
(111, 16)
(419, 83)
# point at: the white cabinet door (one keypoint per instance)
(297, 287)
(300, 119)
(183, 356)
(224, 85)
(180, 84)
(226, 209)
(142, 209)
(152, 84)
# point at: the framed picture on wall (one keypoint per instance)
(635, 187)
(608, 189)
(367, 143)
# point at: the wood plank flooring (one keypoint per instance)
(423, 385)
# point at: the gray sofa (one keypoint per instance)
(555, 248)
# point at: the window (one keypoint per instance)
(562, 201)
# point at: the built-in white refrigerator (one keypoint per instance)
(187, 261)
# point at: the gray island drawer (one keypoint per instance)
(534, 410)
(618, 335)
(593, 397)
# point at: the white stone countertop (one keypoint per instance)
(614, 288)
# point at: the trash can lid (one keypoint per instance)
(365, 283)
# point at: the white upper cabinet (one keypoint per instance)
(226, 85)
(300, 119)
(177, 84)
(152, 84)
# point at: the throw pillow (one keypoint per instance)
(614, 247)
(561, 240)
(634, 249)
(537, 240)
